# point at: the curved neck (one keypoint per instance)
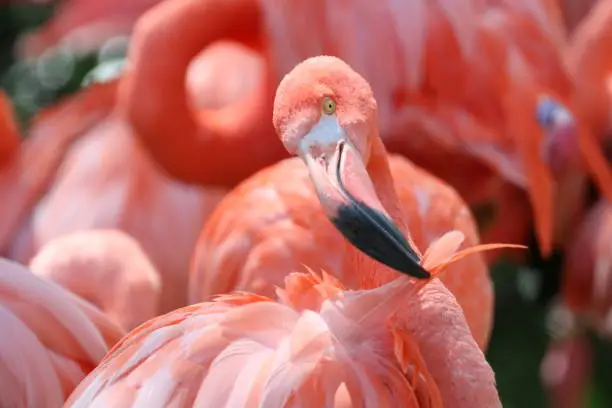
(214, 147)
(382, 179)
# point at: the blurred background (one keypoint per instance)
(526, 320)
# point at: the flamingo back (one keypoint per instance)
(28, 174)
(268, 226)
(107, 181)
(108, 268)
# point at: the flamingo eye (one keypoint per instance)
(328, 105)
(546, 111)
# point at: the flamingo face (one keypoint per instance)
(319, 120)
(561, 131)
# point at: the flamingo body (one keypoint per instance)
(109, 182)
(268, 226)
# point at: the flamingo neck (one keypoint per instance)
(219, 147)
(382, 179)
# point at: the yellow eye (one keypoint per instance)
(328, 105)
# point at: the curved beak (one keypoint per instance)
(349, 199)
(560, 146)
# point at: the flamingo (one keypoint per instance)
(108, 268)
(55, 129)
(423, 113)
(272, 223)
(318, 343)
(31, 168)
(107, 181)
(50, 339)
(240, 134)
(110, 182)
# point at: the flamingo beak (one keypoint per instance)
(560, 146)
(349, 199)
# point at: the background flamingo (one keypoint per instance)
(108, 268)
(50, 339)
(126, 191)
(32, 167)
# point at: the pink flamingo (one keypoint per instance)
(318, 344)
(31, 168)
(108, 268)
(108, 181)
(50, 339)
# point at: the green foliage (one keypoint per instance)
(35, 84)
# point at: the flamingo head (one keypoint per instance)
(325, 113)
(560, 147)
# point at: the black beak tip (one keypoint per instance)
(375, 235)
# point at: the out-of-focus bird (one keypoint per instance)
(50, 339)
(319, 344)
(108, 181)
(178, 136)
(108, 268)
(32, 167)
